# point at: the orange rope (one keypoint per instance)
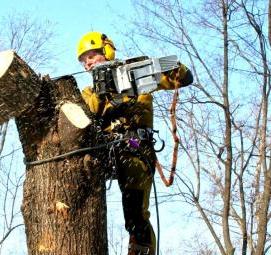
(168, 182)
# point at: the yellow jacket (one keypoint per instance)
(131, 112)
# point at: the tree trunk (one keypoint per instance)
(64, 205)
(228, 136)
(264, 202)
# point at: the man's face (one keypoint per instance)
(90, 58)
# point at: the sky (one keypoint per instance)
(73, 19)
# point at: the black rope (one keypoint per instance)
(70, 153)
(156, 201)
(157, 214)
(65, 75)
(112, 158)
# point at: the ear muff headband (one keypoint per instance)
(109, 48)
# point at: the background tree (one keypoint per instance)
(223, 118)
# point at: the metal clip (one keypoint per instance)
(143, 134)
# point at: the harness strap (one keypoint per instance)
(144, 250)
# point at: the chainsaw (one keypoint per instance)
(131, 77)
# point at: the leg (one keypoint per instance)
(135, 180)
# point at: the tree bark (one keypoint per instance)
(19, 85)
(264, 203)
(64, 205)
(228, 135)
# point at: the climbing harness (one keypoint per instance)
(113, 161)
(133, 145)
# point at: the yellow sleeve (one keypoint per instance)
(177, 78)
(94, 102)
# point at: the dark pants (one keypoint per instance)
(135, 173)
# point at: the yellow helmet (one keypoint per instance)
(95, 41)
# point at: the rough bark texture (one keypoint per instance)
(64, 205)
(264, 205)
(19, 86)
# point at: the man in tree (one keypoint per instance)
(129, 116)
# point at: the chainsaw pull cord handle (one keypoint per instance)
(168, 182)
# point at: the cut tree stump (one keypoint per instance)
(19, 85)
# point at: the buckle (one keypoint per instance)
(144, 133)
(144, 250)
(147, 251)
